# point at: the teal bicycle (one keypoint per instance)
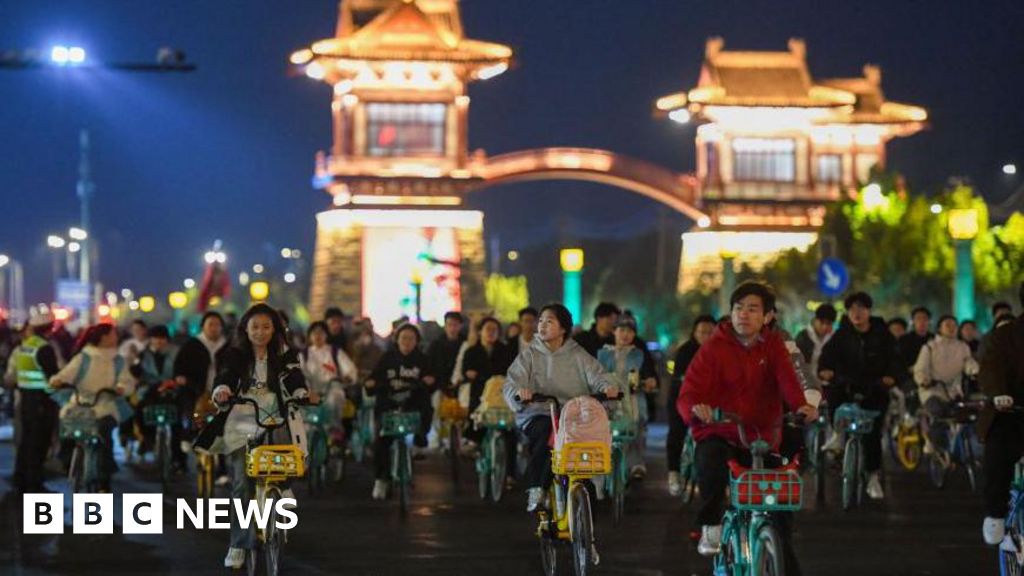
(624, 431)
(1011, 550)
(857, 423)
(492, 460)
(752, 541)
(325, 463)
(688, 468)
(398, 425)
(363, 425)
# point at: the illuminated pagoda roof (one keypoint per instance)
(404, 30)
(782, 80)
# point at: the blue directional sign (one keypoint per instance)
(833, 277)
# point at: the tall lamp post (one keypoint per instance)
(963, 227)
(728, 257)
(571, 260)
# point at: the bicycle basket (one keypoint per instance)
(451, 409)
(79, 424)
(623, 428)
(853, 418)
(315, 414)
(159, 414)
(501, 418)
(275, 461)
(767, 490)
(582, 459)
(395, 424)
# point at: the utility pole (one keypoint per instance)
(86, 189)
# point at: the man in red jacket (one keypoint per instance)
(744, 368)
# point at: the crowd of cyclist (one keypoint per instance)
(743, 363)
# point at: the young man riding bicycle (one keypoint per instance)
(744, 368)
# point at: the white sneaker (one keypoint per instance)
(534, 499)
(875, 491)
(675, 485)
(993, 529)
(222, 480)
(599, 487)
(380, 489)
(235, 558)
(710, 540)
(288, 493)
(638, 472)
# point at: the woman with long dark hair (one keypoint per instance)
(703, 327)
(95, 366)
(260, 367)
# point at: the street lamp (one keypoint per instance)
(259, 291)
(963, 228)
(147, 304)
(54, 241)
(571, 260)
(78, 234)
(177, 301)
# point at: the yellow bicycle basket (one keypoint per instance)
(582, 459)
(349, 411)
(450, 409)
(275, 461)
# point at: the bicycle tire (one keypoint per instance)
(936, 472)
(769, 558)
(549, 555)
(483, 467)
(399, 455)
(252, 561)
(76, 470)
(970, 465)
(165, 456)
(272, 545)
(582, 529)
(689, 483)
(618, 484)
(851, 473)
(499, 467)
(454, 445)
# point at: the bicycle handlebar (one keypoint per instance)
(96, 398)
(237, 400)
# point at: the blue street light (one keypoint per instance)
(63, 55)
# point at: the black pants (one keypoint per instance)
(1004, 446)
(538, 468)
(676, 430)
(38, 414)
(713, 455)
(876, 397)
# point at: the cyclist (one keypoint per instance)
(939, 372)
(528, 329)
(1002, 379)
(402, 378)
(861, 358)
(487, 358)
(703, 328)
(155, 373)
(259, 367)
(556, 365)
(327, 370)
(744, 368)
(96, 366)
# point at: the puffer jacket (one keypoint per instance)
(940, 367)
(565, 374)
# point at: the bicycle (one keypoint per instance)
(492, 460)
(363, 427)
(321, 462)
(1011, 550)
(856, 422)
(398, 425)
(567, 519)
(206, 463)
(960, 417)
(752, 544)
(688, 468)
(80, 425)
(815, 435)
(624, 432)
(162, 417)
(270, 465)
(906, 444)
(452, 418)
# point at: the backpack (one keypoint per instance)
(583, 419)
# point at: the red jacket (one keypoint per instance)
(750, 382)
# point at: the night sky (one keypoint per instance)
(227, 152)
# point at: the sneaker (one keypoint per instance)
(710, 540)
(638, 472)
(599, 488)
(875, 491)
(288, 493)
(380, 489)
(834, 444)
(993, 529)
(675, 485)
(235, 558)
(534, 499)
(222, 480)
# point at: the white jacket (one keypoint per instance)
(100, 375)
(943, 360)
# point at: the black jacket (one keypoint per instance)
(193, 362)
(909, 346)
(684, 356)
(591, 341)
(861, 359)
(486, 365)
(442, 354)
(396, 378)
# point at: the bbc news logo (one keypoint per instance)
(144, 513)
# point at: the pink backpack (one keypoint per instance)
(583, 419)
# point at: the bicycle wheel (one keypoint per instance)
(273, 541)
(336, 465)
(549, 554)
(851, 473)
(166, 457)
(618, 484)
(76, 470)
(252, 562)
(401, 469)
(582, 529)
(499, 466)
(936, 471)
(317, 456)
(1008, 564)
(768, 554)
(688, 471)
(454, 445)
(483, 466)
(967, 458)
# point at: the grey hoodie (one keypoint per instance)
(566, 373)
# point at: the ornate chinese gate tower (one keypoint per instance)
(397, 240)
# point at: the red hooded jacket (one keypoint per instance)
(752, 382)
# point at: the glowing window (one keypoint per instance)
(764, 159)
(405, 129)
(830, 168)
